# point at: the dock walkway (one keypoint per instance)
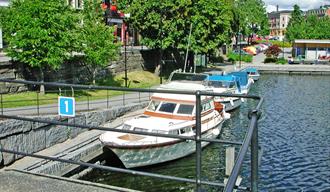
(22, 181)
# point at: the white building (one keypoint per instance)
(278, 22)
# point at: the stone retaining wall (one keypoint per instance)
(74, 71)
(31, 137)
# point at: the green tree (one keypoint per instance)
(39, 33)
(97, 39)
(166, 24)
(249, 17)
(317, 28)
(296, 25)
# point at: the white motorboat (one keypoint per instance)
(252, 73)
(167, 114)
(218, 83)
(227, 84)
(244, 80)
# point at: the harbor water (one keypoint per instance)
(294, 132)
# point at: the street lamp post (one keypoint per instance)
(240, 50)
(125, 59)
(283, 47)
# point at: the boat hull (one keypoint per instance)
(255, 77)
(153, 154)
(232, 104)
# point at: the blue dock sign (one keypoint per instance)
(66, 106)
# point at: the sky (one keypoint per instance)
(288, 4)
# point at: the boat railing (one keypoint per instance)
(250, 142)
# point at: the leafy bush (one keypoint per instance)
(281, 61)
(270, 60)
(273, 51)
(236, 57)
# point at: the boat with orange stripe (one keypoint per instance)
(172, 114)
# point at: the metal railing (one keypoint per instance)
(86, 101)
(251, 138)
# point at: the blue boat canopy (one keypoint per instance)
(242, 77)
(221, 78)
(223, 81)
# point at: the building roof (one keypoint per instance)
(319, 41)
(279, 12)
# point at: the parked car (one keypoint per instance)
(263, 46)
(251, 50)
(242, 52)
(267, 43)
(290, 60)
(274, 38)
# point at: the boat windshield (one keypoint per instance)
(167, 107)
(221, 84)
(185, 109)
(159, 131)
(140, 129)
(126, 127)
(188, 76)
(153, 105)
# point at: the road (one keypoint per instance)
(259, 58)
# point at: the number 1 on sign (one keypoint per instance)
(66, 106)
(66, 103)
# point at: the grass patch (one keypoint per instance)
(281, 61)
(136, 79)
(236, 57)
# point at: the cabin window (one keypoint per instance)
(185, 130)
(231, 84)
(126, 127)
(216, 84)
(159, 131)
(185, 109)
(140, 129)
(174, 132)
(206, 106)
(167, 107)
(153, 105)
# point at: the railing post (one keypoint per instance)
(38, 104)
(107, 99)
(139, 97)
(124, 98)
(1, 103)
(254, 156)
(198, 142)
(87, 102)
